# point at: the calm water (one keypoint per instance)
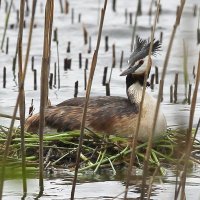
(119, 32)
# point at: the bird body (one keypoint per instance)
(110, 115)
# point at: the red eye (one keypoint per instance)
(141, 62)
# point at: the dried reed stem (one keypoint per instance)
(88, 89)
(151, 182)
(6, 24)
(58, 60)
(8, 116)
(148, 152)
(135, 136)
(7, 144)
(30, 35)
(189, 133)
(185, 65)
(44, 83)
(134, 28)
(9, 135)
(22, 96)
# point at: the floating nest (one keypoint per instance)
(98, 151)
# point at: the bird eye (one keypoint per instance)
(141, 62)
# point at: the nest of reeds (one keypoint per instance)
(98, 151)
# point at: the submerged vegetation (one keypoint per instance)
(98, 151)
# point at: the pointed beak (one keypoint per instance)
(130, 70)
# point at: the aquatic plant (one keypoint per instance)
(98, 151)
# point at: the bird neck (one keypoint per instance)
(134, 87)
(134, 93)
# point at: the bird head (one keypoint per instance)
(138, 60)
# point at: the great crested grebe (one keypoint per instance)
(111, 115)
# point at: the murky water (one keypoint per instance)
(119, 34)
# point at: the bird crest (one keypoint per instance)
(142, 50)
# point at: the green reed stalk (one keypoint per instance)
(150, 139)
(44, 84)
(6, 24)
(189, 133)
(22, 97)
(125, 151)
(88, 89)
(135, 136)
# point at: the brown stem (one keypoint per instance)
(89, 85)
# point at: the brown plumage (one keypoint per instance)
(104, 115)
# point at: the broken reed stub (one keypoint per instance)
(104, 76)
(4, 77)
(35, 79)
(66, 7)
(85, 35)
(189, 93)
(61, 6)
(14, 64)
(32, 63)
(76, 89)
(107, 89)
(55, 74)
(106, 43)
(72, 16)
(161, 94)
(86, 63)
(139, 8)
(27, 11)
(113, 56)
(152, 82)
(7, 45)
(193, 72)
(156, 75)
(67, 64)
(68, 47)
(55, 35)
(51, 80)
(79, 18)
(198, 36)
(80, 60)
(24, 23)
(58, 76)
(130, 18)
(161, 37)
(171, 93)
(121, 59)
(126, 15)
(195, 8)
(90, 44)
(175, 88)
(17, 17)
(114, 5)
(85, 79)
